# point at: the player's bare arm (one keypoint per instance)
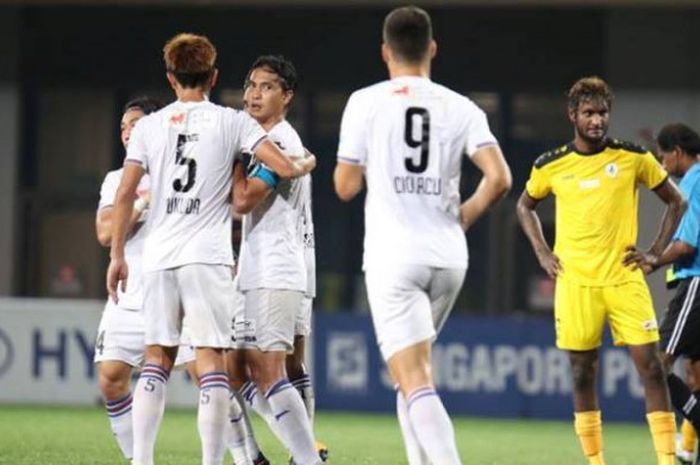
(285, 167)
(532, 226)
(123, 210)
(675, 207)
(247, 192)
(494, 185)
(348, 180)
(103, 222)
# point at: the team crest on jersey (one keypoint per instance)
(611, 170)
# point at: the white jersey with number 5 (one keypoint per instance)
(188, 149)
(410, 135)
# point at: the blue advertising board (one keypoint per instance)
(486, 366)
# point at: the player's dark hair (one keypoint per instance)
(681, 136)
(190, 58)
(408, 32)
(589, 88)
(144, 103)
(279, 65)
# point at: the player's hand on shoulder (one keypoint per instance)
(638, 259)
(117, 272)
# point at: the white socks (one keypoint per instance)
(414, 452)
(238, 435)
(148, 408)
(213, 416)
(306, 391)
(119, 412)
(432, 426)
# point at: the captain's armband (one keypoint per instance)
(265, 174)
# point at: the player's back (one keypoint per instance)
(411, 134)
(188, 149)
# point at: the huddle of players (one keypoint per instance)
(190, 151)
(403, 138)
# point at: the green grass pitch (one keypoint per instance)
(81, 436)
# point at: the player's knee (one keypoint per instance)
(652, 370)
(583, 376)
(113, 384)
(295, 366)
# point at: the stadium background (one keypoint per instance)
(66, 69)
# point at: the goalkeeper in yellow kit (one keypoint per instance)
(594, 180)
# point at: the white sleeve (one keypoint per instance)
(108, 191)
(478, 134)
(137, 151)
(352, 147)
(250, 133)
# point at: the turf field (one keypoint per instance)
(81, 436)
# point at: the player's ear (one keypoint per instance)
(287, 97)
(214, 77)
(171, 79)
(386, 53)
(432, 48)
(572, 114)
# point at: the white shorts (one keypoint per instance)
(268, 320)
(199, 294)
(410, 303)
(302, 325)
(120, 337)
(238, 315)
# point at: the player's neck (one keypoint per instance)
(688, 163)
(589, 147)
(397, 70)
(269, 123)
(191, 95)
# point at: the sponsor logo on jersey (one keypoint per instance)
(589, 183)
(177, 119)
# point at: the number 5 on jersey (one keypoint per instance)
(179, 185)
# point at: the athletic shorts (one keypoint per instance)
(120, 337)
(580, 313)
(200, 294)
(238, 314)
(410, 303)
(680, 328)
(302, 324)
(268, 320)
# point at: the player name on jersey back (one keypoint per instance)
(420, 185)
(188, 149)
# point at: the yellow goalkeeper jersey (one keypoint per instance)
(597, 200)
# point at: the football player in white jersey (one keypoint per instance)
(188, 149)
(119, 346)
(273, 274)
(406, 137)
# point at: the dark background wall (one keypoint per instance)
(71, 68)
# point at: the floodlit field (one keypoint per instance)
(81, 436)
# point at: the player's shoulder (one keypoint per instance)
(113, 176)
(285, 136)
(550, 156)
(369, 93)
(627, 146)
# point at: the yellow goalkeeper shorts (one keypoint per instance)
(580, 313)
